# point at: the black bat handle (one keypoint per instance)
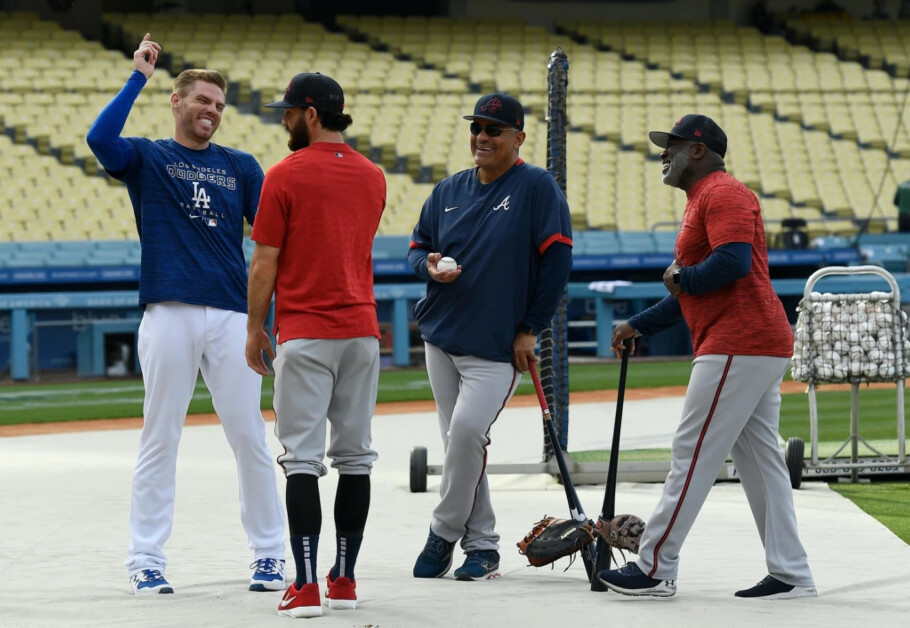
(602, 554)
(609, 507)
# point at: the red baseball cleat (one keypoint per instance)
(340, 593)
(302, 602)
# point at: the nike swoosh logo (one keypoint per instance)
(448, 209)
(284, 603)
(191, 216)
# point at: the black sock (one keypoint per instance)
(352, 504)
(305, 522)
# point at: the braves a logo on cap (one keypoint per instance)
(697, 133)
(494, 105)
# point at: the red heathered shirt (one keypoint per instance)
(745, 317)
(321, 205)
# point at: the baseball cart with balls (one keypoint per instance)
(852, 338)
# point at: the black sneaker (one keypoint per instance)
(435, 559)
(773, 589)
(629, 580)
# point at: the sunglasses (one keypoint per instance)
(492, 130)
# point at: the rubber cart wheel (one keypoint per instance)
(796, 448)
(418, 469)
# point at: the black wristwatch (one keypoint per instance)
(527, 329)
(676, 277)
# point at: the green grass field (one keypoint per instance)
(99, 399)
(887, 501)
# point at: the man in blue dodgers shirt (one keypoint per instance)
(506, 223)
(190, 197)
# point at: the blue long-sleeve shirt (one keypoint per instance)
(726, 264)
(189, 207)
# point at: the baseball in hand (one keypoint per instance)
(446, 263)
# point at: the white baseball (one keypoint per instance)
(446, 263)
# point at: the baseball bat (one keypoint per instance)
(603, 555)
(575, 509)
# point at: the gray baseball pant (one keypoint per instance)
(732, 406)
(470, 393)
(318, 380)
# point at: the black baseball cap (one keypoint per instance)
(499, 107)
(312, 90)
(695, 127)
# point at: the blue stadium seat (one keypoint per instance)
(830, 242)
(892, 257)
(112, 253)
(6, 252)
(67, 257)
(636, 242)
(892, 237)
(248, 247)
(598, 242)
(27, 259)
(391, 247)
(665, 241)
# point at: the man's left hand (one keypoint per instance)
(523, 351)
(672, 286)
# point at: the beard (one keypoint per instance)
(299, 136)
(678, 166)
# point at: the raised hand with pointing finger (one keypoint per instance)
(146, 56)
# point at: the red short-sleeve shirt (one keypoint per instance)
(745, 317)
(321, 205)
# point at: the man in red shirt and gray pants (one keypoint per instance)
(719, 284)
(318, 213)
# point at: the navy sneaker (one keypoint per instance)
(269, 575)
(148, 582)
(629, 580)
(435, 559)
(770, 588)
(479, 565)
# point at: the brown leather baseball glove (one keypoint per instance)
(550, 539)
(622, 531)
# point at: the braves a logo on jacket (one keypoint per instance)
(503, 205)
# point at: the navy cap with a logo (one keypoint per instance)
(695, 127)
(500, 108)
(312, 90)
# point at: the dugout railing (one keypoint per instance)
(400, 297)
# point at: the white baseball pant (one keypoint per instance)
(175, 342)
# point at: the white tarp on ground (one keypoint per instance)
(64, 503)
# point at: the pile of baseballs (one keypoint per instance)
(850, 338)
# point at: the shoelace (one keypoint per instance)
(265, 565)
(482, 557)
(630, 569)
(150, 575)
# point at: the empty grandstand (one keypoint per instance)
(815, 110)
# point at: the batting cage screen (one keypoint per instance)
(554, 341)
